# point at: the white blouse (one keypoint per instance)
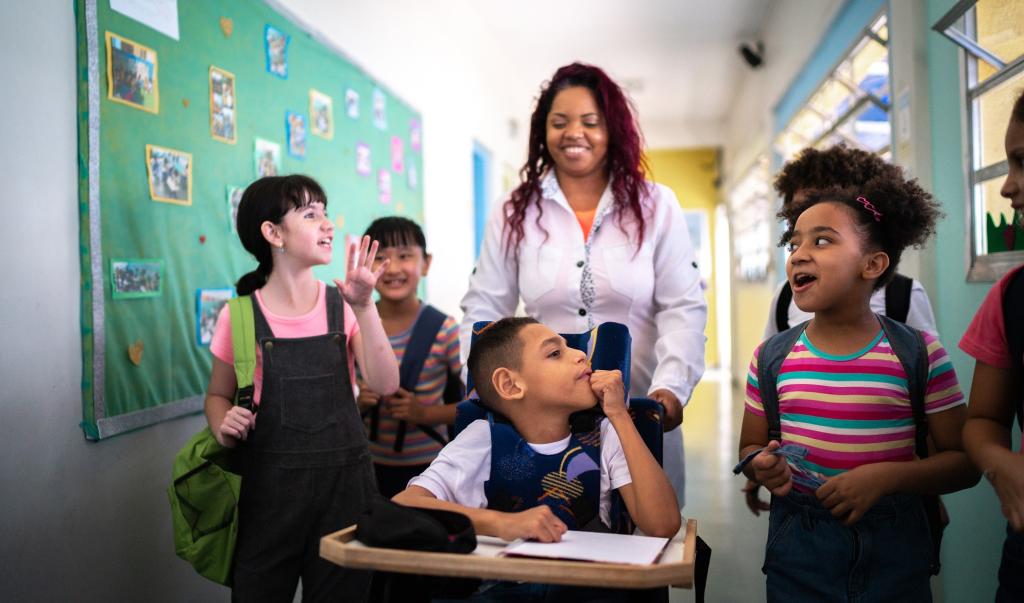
(571, 285)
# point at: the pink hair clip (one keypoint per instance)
(871, 208)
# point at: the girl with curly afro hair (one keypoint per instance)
(847, 515)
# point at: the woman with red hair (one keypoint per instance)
(585, 239)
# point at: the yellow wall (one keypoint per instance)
(692, 174)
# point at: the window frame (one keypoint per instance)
(862, 98)
(981, 267)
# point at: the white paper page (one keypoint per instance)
(593, 546)
(161, 15)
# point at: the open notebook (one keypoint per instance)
(593, 546)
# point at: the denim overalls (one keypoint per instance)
(306, 469)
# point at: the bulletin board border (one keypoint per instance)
(96, 424)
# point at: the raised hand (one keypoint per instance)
(360, 277)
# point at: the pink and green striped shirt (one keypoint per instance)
(419, 448)
(853, 410)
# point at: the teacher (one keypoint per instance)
(585, 239)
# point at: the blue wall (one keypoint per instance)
(972, 544)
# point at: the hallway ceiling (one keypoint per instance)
(678, 59)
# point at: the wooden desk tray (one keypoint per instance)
(674, 568)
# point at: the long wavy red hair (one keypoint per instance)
(624, 162)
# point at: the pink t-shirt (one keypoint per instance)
(985, 339)
(311, 324)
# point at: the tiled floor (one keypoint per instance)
(713, 497)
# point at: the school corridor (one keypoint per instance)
(132, 127)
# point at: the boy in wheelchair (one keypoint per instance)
(525, 474)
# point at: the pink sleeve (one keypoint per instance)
(985, 339)
(221, 346)
(351, 328)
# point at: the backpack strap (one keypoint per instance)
(424, 334)
(897, 297)
(782, 307)
(1013, 321)
(909, 346)
(243, 346)
(769, 360)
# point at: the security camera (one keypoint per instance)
(753, 53)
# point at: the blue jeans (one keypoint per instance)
(1011, 569)
(811, 556)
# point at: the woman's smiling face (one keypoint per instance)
(577, 136)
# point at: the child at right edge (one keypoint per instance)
(847, 519)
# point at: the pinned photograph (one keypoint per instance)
(415, 135)
(222, 106)
(412, 177)
(380, 110)
(234, 197)
(397, 154)
(136, 278)
(321, 114)
(363, 165)
(295, 134)
(170, 175)
(384, 186)
(276, 44)
(267, 157)
(208, 305)
(131, 74)
(352, 103)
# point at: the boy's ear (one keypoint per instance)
(507, 384)
(877, 263)
(426, 264)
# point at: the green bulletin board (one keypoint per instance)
(158, 250)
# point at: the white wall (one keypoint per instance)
(438, 58)
(791, 34)
(81, 521)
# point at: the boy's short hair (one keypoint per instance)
(1018, 108)
(396, 231)
(836, 166)
(498, 345)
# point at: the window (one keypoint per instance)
(750, 201)
(990, 34)
(852, 105)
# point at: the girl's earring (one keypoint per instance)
(280, 249)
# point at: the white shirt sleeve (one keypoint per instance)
(493, 287)
(458, 473)
(680, 310)
(920, 315)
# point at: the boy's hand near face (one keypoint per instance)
(610, 391)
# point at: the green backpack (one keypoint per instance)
(205, 487)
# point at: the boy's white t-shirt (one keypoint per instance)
(458, 473)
